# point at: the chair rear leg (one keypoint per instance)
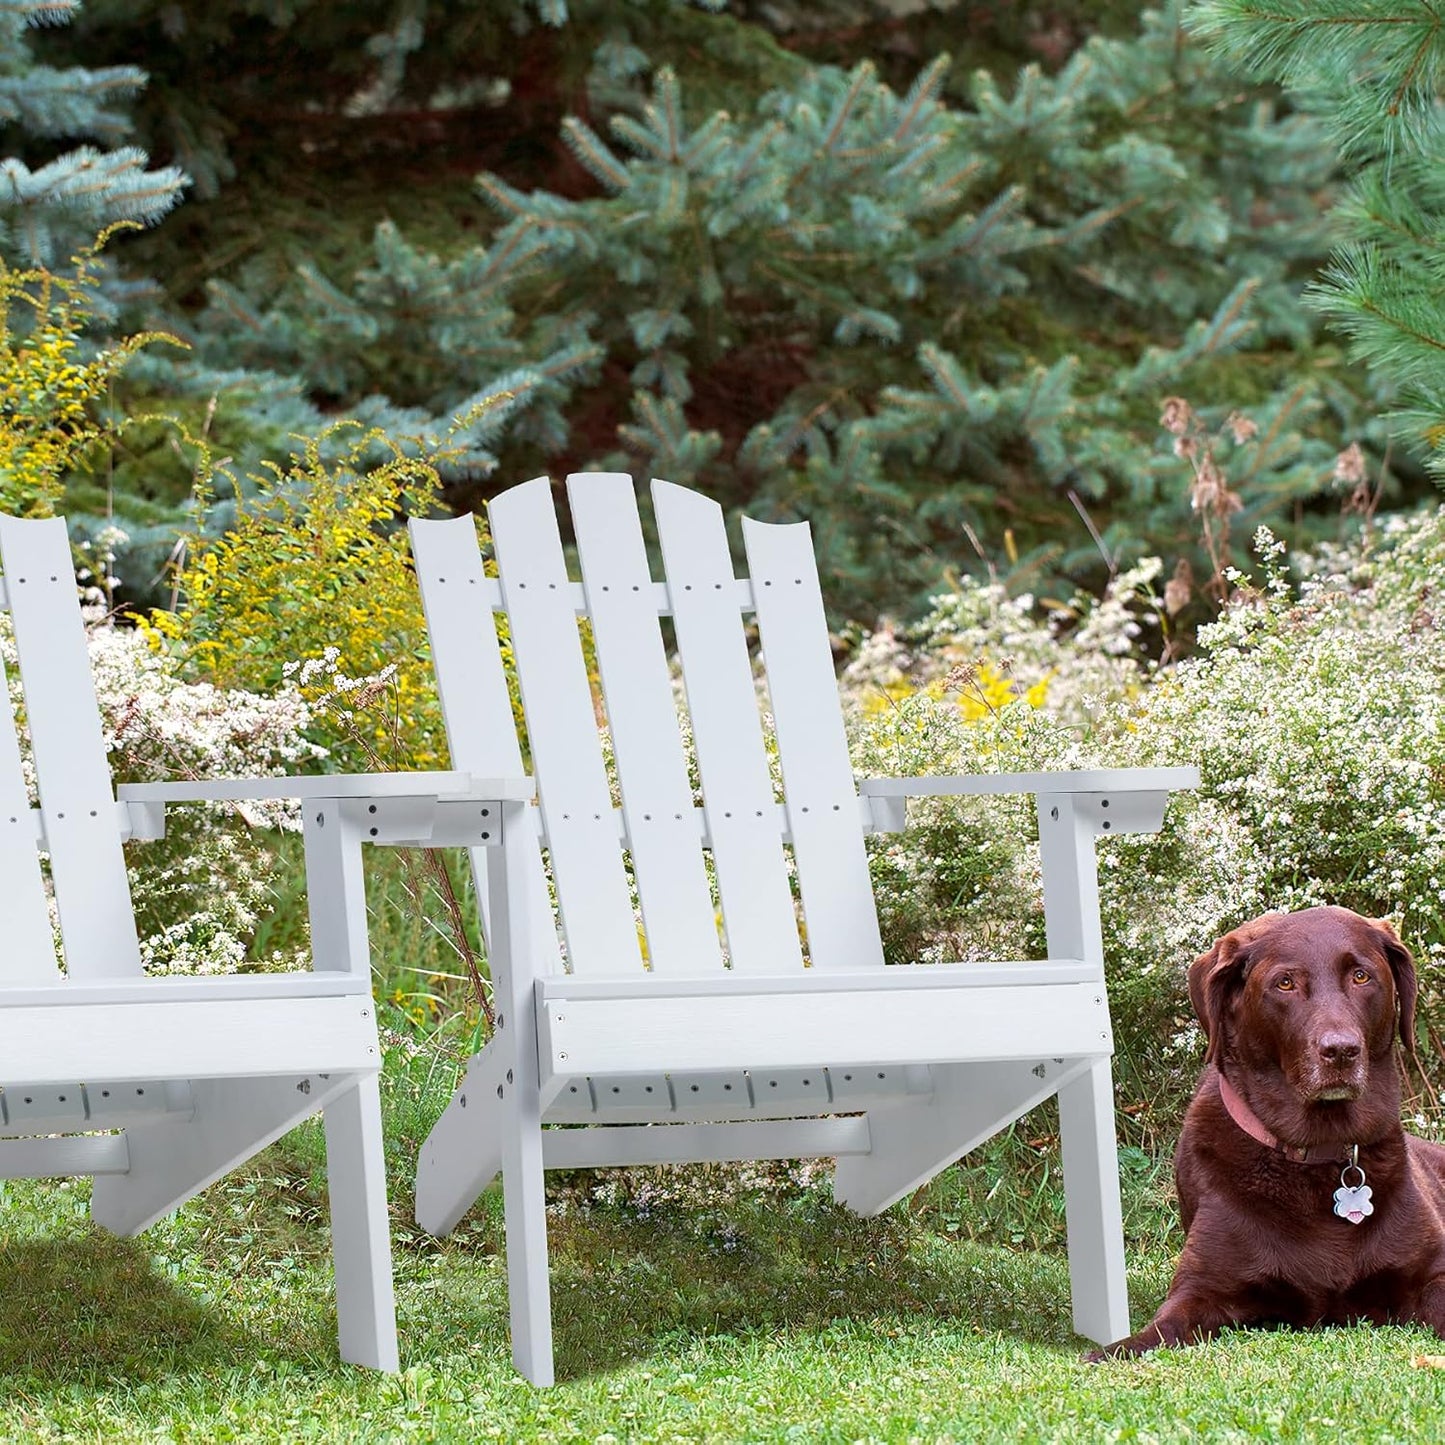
(528, 1277)
(463, 1152)
(915, 1139)
(360, 1233)
(1095, 1219)
(230, 1120)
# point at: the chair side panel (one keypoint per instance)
(757, 904)
(87, 866)
(822, 799)
(576, 803)
(667, 856)
(472, 685)
(29, 953)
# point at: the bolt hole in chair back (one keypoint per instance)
(768, 1037)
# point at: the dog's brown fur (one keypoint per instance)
(1301, 1012)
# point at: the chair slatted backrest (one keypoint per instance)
(741, 819)
(28, 957)
(677, 912)
(813, 748)
(77, 804)
(472, 683)
(732, 759)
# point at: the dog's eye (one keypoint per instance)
(1284, 983)
(1362, 975)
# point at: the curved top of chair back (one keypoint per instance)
(659, 830)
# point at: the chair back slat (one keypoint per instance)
(28, 956)
(667, 856)
(87, 866)
(472, 684)
(758, 914)
(592, 890)
(822, 798)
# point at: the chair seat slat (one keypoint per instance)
(757, 904)
(576, 803)
(838, 907)
(677, 910)
(92, 893)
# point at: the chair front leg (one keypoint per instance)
(1097, 1278)
(360, 1227)
(510, 900)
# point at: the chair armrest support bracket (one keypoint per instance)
(1117, 800)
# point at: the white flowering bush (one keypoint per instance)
(1315, 715)
(983, 685)
(1313, 709)
(200, 892)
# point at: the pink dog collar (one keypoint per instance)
(1249, 1121)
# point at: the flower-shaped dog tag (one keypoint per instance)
(1352, 1201)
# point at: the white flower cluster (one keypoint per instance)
(342, 694)
(200, 891)
(1315, 711)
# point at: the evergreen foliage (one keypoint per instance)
(829, 303)
(50, 206)
(1373, 69)
(932, 308)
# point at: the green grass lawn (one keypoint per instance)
(746, 1317)
(688, 1306)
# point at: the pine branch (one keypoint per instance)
(41, 12)
(1298, 41)
(921, 95)
(666, 92)
(1394, 321)
(753, 151)
(917, 158)
(862, 77)
(595, 154)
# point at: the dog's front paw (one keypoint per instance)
(1105, 1353)
(1126, 1349)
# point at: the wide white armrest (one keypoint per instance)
(1109, 800)
(1097, 780)
(423, 810)
(445, 786)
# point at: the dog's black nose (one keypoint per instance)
(1339, 1048)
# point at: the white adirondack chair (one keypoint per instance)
(754, 1044)
(158, 1086)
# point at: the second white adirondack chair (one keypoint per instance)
(155, 1087)
(682, 1041)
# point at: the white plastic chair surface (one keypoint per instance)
(155, 1087)
(766, 1025)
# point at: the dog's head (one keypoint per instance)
(1314, 998)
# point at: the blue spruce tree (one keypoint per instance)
(50, 203)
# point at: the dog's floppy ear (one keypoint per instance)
(1407, 988)
(1214, 976)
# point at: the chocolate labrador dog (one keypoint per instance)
(1304, 1202)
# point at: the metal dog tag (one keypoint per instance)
(1352, 1201)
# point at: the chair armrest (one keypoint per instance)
(1116, 800)
(448, 786)
(437, 809)
(1099, 780)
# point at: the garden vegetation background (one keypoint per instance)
(1104, 369)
